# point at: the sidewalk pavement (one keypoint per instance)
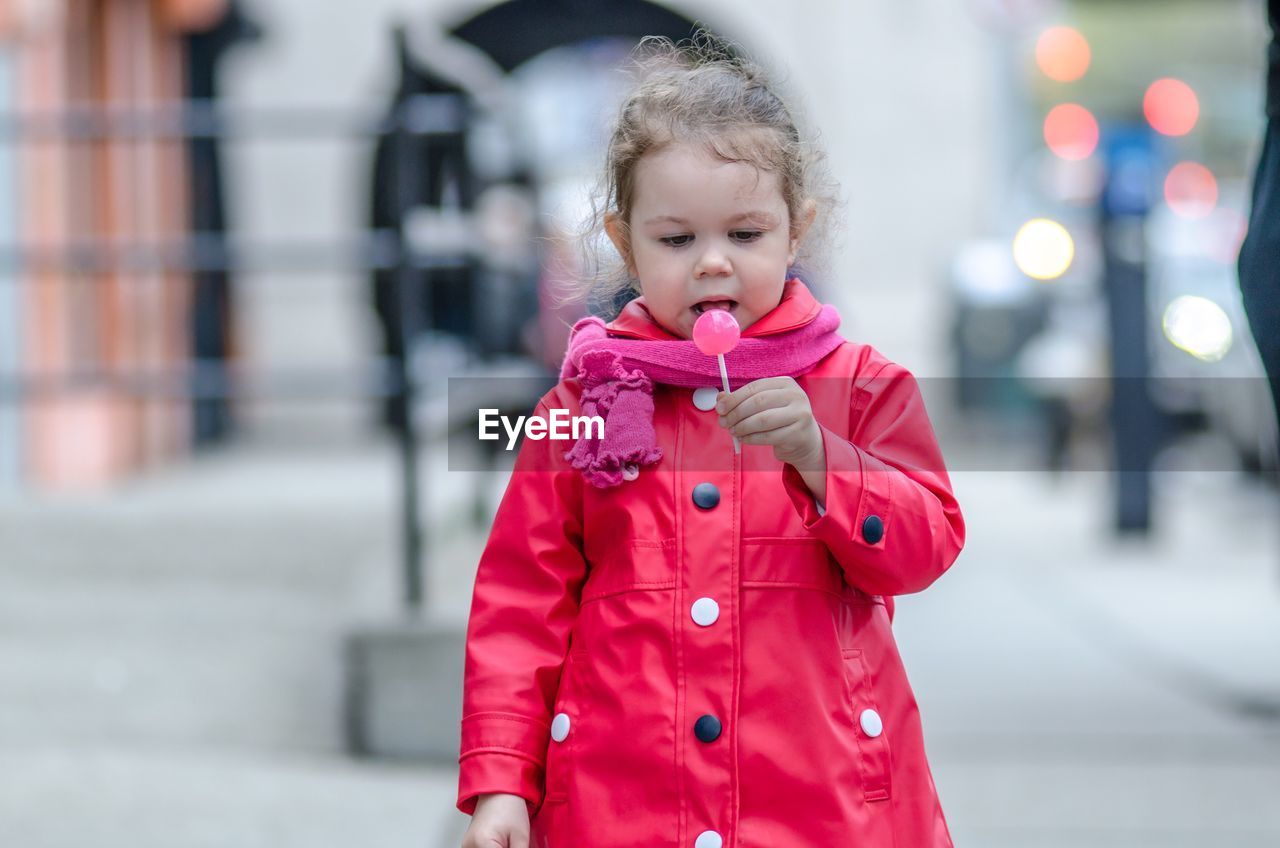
(1079, 689)
(172, 663)
(173, 675)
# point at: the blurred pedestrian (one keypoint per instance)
(1259, 262)
(670, 640)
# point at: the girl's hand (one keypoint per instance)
(775, 411)
(500, 821)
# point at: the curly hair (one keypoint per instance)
(699, 91)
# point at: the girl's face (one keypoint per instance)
(706, 234)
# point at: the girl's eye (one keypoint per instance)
(740, 236)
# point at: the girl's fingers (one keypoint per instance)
(727, 402)
(489, 841)
(755, 404)
(761, 422)
(772, 437)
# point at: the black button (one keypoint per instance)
(706, 495)
(707, 728)
(873, 529)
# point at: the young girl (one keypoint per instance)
(671, 642)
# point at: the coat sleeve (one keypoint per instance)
(891, 520)
(527, 591)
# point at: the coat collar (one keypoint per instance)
(797, 308)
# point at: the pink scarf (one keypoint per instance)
(617, 378)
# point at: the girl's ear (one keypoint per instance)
(615, 229)
(809, 212)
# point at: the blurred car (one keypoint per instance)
(1204, 357)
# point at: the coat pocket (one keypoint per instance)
(564, 721)
(874, 763)
(640, 565)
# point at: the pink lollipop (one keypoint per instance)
(716, 333)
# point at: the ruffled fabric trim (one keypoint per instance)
(623, 399)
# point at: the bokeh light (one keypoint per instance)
(1198, 326)
(1063, 54)
(1043, 249)
(1191, 190)
(1071, 131)
(1171, 106)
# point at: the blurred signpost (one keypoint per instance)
(1136, 423)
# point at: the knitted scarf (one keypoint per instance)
(617, 377)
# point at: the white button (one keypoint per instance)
(705, 398)
(705, 611)
(560, 727)
(630, 472)
(871, 723)
(708, 839)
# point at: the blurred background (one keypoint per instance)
(244, 243)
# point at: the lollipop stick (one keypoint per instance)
(724, 375)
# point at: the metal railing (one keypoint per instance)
(417, 116)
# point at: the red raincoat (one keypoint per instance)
(650, 667)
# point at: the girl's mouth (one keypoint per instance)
(726, 305)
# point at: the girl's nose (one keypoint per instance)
(710, 263)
